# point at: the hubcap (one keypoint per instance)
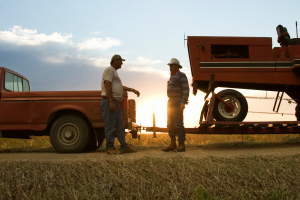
(68, 134)
(229, 113)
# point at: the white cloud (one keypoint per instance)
(99, 43)
(143, 60)
(20, 36)
(142, 64)
(61, 58)
(97, 62)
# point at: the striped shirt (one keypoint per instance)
(178, 89)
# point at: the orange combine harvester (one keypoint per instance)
(244, 63)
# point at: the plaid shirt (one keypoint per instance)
(178, 89)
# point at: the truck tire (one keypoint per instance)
(239, 103)
(92, 145)
(70, 134)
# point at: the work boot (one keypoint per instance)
(180, 148)
(113, 151)
(128, 150)
(171, 147)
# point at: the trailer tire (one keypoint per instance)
(70, 134)
(239, 103)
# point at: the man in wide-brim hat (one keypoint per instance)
(178, 93)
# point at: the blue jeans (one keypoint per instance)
(175, 123)
(113, 123)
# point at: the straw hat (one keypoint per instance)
(174, 61)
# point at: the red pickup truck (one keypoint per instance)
(72, 119)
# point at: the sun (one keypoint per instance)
(144, 112)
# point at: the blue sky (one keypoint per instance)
(66, 45)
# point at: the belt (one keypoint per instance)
(105, 97)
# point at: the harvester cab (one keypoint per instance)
(284, 38)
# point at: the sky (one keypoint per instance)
(66, 45)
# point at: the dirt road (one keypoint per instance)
(192, 152)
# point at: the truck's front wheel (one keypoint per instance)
(70, 134)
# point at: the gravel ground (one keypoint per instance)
(155, 152)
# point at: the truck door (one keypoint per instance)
(16, 107)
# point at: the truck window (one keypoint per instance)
(25, 85)
(9, 81)
(20, 84)
(15, 83)
(16, 89)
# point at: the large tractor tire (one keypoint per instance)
(237, 100)
(70, 134)
(93, 145)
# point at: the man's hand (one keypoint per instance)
(136, 92)
(182, 106)
(112, 106)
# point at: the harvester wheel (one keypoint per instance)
(237, 100)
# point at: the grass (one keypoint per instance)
(154, 178)
(267, 177)
(42, 144)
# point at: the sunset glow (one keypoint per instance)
(144, 112)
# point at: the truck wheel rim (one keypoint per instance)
(68, 134)
(236, 110)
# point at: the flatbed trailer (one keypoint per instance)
(210, 126)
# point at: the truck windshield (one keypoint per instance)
(15, 83)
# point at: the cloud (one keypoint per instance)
(35, 52)
(57, 59)
(20, 36)
(96, 62)
(99, 43)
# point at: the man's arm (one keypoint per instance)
(185, 91)
(109, 95)
(131, 90)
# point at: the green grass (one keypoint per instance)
(41, 144)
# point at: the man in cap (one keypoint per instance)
(178, 93)
(112, 93)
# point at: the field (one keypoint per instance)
(147, 141)
(176, 177)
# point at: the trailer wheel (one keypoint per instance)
(70, 134)
(239, 102)
(92, 145)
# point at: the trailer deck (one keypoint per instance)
(210, 126)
